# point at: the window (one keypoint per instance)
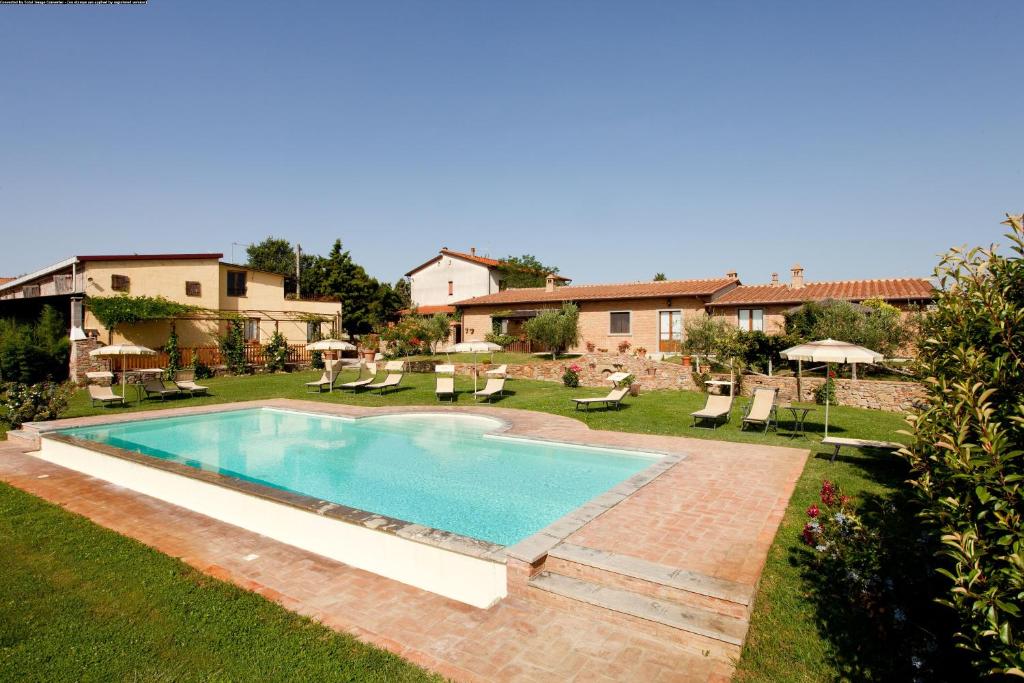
(29, 291)
(312, 332)
(451, 288)
(120, 283)
(619, 322)
(751, 319)
(252, 329)
(193, 288)
(236, 283)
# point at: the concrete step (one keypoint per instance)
(664, 613)
(25, 439)
(681, 580)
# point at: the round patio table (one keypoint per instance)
(799, 416)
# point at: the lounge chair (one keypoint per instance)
(185, 381)
(718, 408)
(839, 442)
(394, 378)
(360, 381)
(156, 387)
(445, 382)
(326, 380)
(104, 395)
(761, 409)
(500, 371)
(613, 399)
(495, 387)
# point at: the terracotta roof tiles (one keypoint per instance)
(626, 290)
(898, 289)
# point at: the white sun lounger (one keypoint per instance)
(104, 395)
(445, 382)
(613, 399)
(325, 380)
(158, 388)
(500, 371)
(185, 381)
(839, 442)
(361, 382)
(495, 387)
(761, 409)
(394, 378)
(718, 408)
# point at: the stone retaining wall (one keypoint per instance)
(894, 397)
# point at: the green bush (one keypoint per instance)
(826, 391)
(275, 353)
(571, 376)
(33, 402)
(758, 348)
(32, 353)
(873, 324)
(557, 330)
(232, 348)
(173, 354)
(969, 443)
(200, 370)
(501, 340)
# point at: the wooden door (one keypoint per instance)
(670, 331)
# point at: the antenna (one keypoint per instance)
(237, 244)
(298, 271)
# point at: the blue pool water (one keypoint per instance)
(436, 470)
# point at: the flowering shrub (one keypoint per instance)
(571, 377)
(33, 402)
(275, 353)
(624, 346)
(641, 352)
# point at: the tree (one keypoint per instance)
(524, 271)
(366, 303)
(556, 329)
(31, 353)
(232, 347)
(272, 254)
(403, 290)
(437, 329)
(173, 354)
(709, 336)
(660, 277)
(967, 457)
(873, 324)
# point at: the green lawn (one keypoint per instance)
(787, 641)
(80, 602)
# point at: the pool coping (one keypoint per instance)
(529, 549)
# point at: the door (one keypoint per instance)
(670, 331)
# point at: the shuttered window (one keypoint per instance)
(120, 283)
(193, 288)
(619, 322)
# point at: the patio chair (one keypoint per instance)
(445, 382)
(500, 371)
(717, 409)
(325, 379)
(156, 387)
(495, 387)
(394, 378)
(360, 381)
(185, 381)
(613, 399)
(104, 395)
(761, 409)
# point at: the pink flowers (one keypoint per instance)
(813, 511)
(828, 493)
(575, 368)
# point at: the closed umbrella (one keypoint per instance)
(474, 347)
(330, 345)
(829, 351)
(122, 350)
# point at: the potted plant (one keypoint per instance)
(687, 362)
(591, 346)
(624, 346)
(630, 383)
(370, 344)
(641, 352)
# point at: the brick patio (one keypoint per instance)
(714, 513)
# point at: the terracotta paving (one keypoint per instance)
(715, 512)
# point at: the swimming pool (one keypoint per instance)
(441, 471)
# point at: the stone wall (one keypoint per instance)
(595, 368)
(81, 362)
(896, 397)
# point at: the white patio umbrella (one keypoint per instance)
(330, 345)
(122, 350)
(474, 347)
(829, 351)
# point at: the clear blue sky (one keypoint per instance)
(611, 139)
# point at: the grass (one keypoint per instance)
(788, 639)
(80, 602)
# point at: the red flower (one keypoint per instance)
(813, 511)
(810, 534)
(831, 374)
(828, 493)
(844, 500)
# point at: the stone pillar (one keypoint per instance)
(81, 362)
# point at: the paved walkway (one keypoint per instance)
(715, 512)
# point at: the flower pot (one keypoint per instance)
(634, 389)
(369, 355)
(687, 362)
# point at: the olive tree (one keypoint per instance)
(556, 329)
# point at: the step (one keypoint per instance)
(666, 613)
(664, 575)
(26, 439)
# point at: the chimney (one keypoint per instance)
(472, 251)
(549, 283)
(798, 276)
(732, 274)
(775, 279)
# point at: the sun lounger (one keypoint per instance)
(185, 381)
(839, 442)
(761, 409)
(104, 395)
(326, 380)
(394, 378)
(156, 387)
(613, 399)
(445, 382)
(500, 371)
(718, 408)
(495, 387)
(361, 382)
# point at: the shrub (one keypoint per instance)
(232, 348)
(557, 330)
(874, 324)
(173, 355)
(501, 340)
(200, 369)
(275, 353)
(826, 390)
(571, 376)
(757, 348)
(32, 353)
(969, 444)
(708, 336)
(33, 402)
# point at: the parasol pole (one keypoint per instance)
(828, 394)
